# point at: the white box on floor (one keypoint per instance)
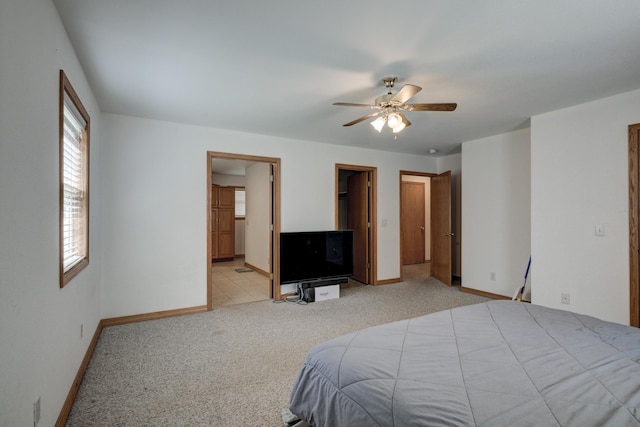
(327, 292)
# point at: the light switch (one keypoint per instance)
(599, 230)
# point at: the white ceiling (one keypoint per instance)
(275, 67)
(235, 167)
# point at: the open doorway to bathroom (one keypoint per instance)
(243, 250)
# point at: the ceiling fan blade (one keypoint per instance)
(356, 121)
(405, 93)
(350, 104)
(431, 107)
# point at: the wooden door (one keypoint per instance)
(441, 233)
(214, 233)
(227, 197)
(412, 220)
(215, 196)
(272, 216)
(634, 224)
(358, 221)
(222, 223)
(226, 233)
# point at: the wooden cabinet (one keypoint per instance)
(222, 223)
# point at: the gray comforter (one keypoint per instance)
(499, 363)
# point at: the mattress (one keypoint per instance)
(499, 363)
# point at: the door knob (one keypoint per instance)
(449, 234)
(422, 228)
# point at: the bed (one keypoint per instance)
(499, 363)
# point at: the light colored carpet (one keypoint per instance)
(234, 365)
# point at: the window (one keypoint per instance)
(240, 202)
(74, 183)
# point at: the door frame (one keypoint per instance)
(424, 174)
(412, 173)
(634, 225)
(274, 292)
(373, 214)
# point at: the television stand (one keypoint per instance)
(307, 289)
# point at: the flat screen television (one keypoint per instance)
(315, 255)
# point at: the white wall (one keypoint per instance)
(40, 344)
(496, 214)
(257, 224)
(579, 178)
(240, 237)
(154, 204)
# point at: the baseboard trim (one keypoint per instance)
(257, 270)
(104, 323)
(75, 386)
(113, 321)
(482, 293)
(388, 281)
(214, 260)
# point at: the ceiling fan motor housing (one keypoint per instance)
(389, 81)
(384, 100)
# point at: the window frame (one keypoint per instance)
(67, 89)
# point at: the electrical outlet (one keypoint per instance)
(36, 412)
(565, 298)
(492, 276)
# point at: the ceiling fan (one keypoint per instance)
(390, 107)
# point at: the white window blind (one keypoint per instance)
(74, 179)
(240, 202)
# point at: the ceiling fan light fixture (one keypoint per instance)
(399, 128)
(394, 120)
(378, 123)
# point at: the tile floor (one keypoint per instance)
(231, 287)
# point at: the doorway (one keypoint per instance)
(437, 234)
(265, 221)
(355, 206)
(634, 225)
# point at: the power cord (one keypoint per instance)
(295, 299)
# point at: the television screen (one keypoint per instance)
(312, 255)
